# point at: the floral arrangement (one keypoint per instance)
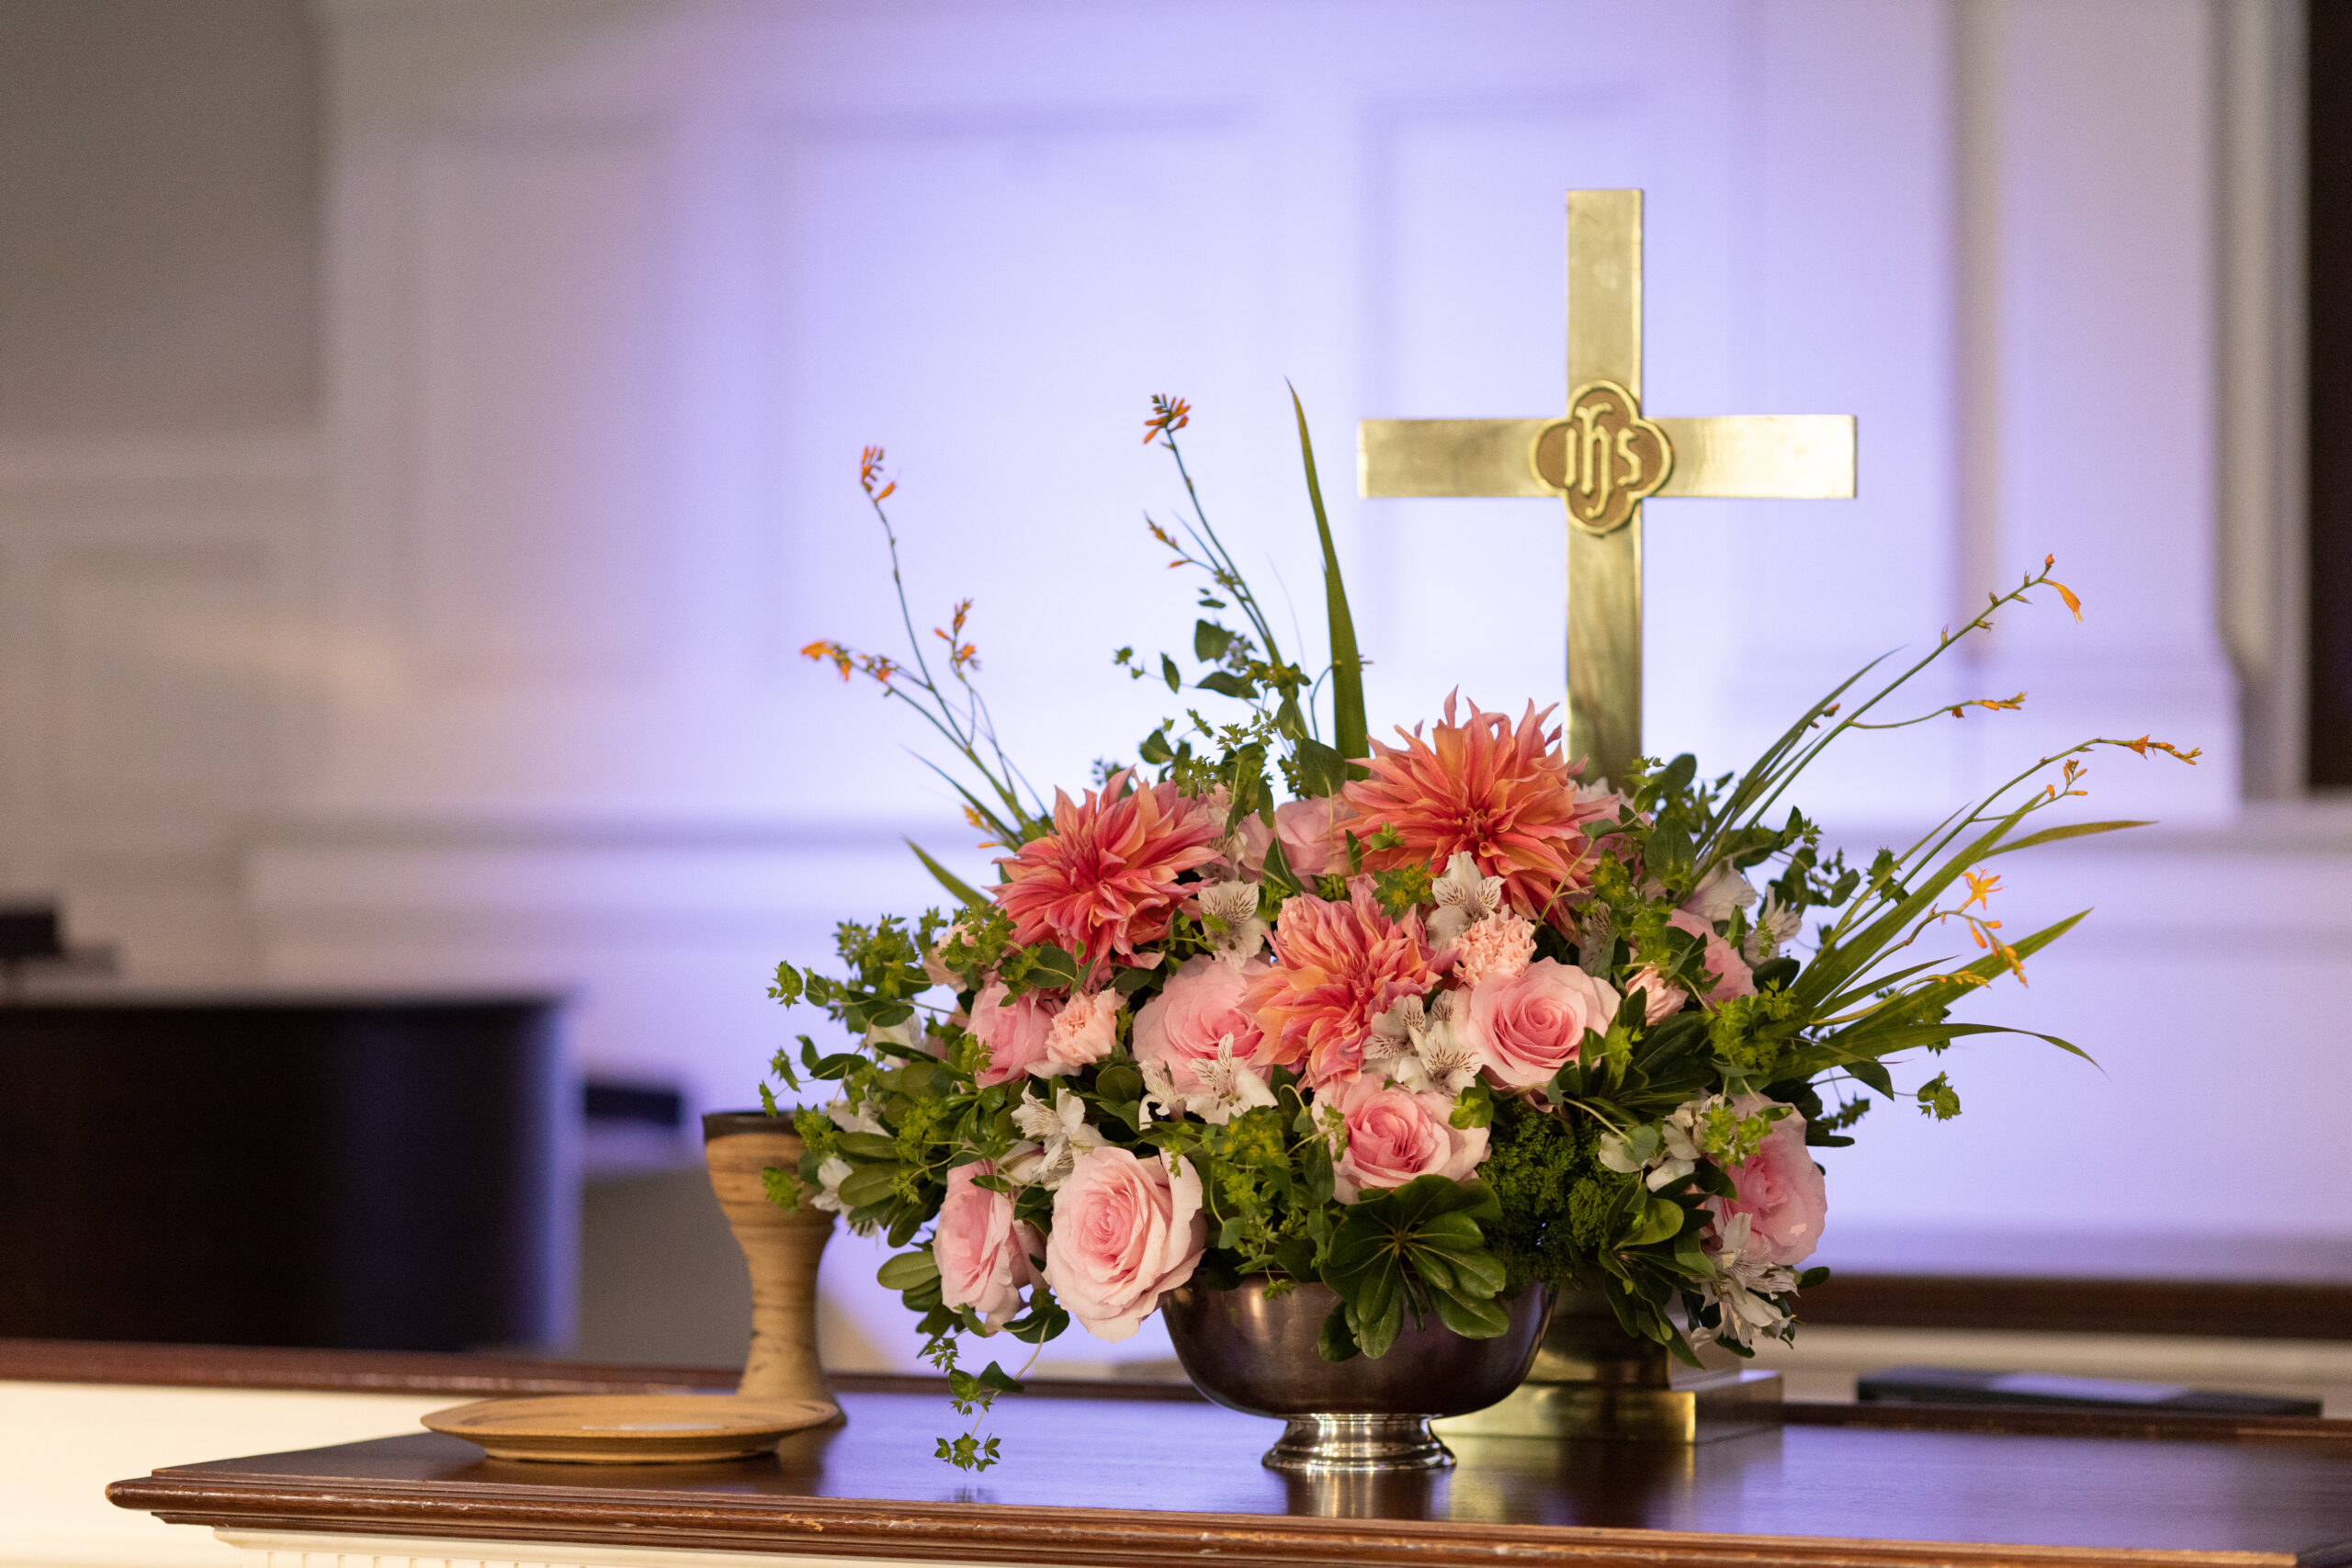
(1433, 1021)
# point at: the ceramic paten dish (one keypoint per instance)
(618, 1428)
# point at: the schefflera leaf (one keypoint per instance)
(1419, 1248)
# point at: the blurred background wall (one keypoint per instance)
(428, 433)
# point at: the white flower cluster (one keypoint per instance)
(1235, 904)
(1052, 1137)
(835, 1169)
(1742, 1287)
(1661, 1153)
(1420, 1048)
(1228, 1087)
(1463, 899)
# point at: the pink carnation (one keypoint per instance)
(1727, 971)
(1339, 966)
(1394, 1135)
(1779, 1189)
(1104, 879)
(1125, 1232)
(1526, 1028)
(1014, 1031)
(1200, 1009)
(1086, 1030)
(983, 1253)
(1660, 1000)
(1496, 948)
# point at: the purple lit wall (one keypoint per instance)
(618, 292)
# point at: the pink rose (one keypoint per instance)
(1394, 1136)
(1086, 1030)
(983, 1253)
(1660, 1000)
(1199, 1009)
(1312, 832)
(1725, 968)
(1527, 1027)
(1125, 1232)
(1014, 1033)
(1780, 1191)
(1496, 948)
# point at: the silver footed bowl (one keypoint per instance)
(1258, 1355)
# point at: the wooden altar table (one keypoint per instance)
(1146, 1477)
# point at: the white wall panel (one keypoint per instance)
(540, 409)
(155, 699)
(995, 304)
(618, 292)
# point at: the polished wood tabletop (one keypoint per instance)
(1168, 1480)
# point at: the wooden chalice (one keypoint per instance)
(782, 1247)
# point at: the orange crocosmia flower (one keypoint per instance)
(1338, 968)
(1167, 414)
(824, 649)
(1483, 786)
(1104, 879)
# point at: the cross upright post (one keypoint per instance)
(1603, 458)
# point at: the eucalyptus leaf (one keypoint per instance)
(908, 1270)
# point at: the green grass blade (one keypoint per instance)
(948, 879)
(1348, 730)
(2072, 830)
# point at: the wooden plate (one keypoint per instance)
(629, 1428)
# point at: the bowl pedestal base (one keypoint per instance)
(1592, 1381)
(1328, 1444)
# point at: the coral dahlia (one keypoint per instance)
(1487, 788)
(1338, 965)
(1104, 879)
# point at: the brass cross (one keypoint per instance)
(1603, 458)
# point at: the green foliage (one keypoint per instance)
(1938, 1099)
(784, 1188)
(1348, 729)
(1416, 1249)
(1751, 1032)
(1598, 1178)
(1539, 1167)
(1402, 889)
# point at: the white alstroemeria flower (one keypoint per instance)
(1228, 1087)
(1419, 1047)
(1061, 1133)
(1463, 899)
(829, 1176)
(1776, 926)
(1159, 1093)
(1235, 903)
(1742, 1287)
(907, 1032)
(1662, 1151)
(1019, 1162)
(1597, 941)
(1449, 1063)
(853, 1118)
(1392, 1031)
(1719, 893)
